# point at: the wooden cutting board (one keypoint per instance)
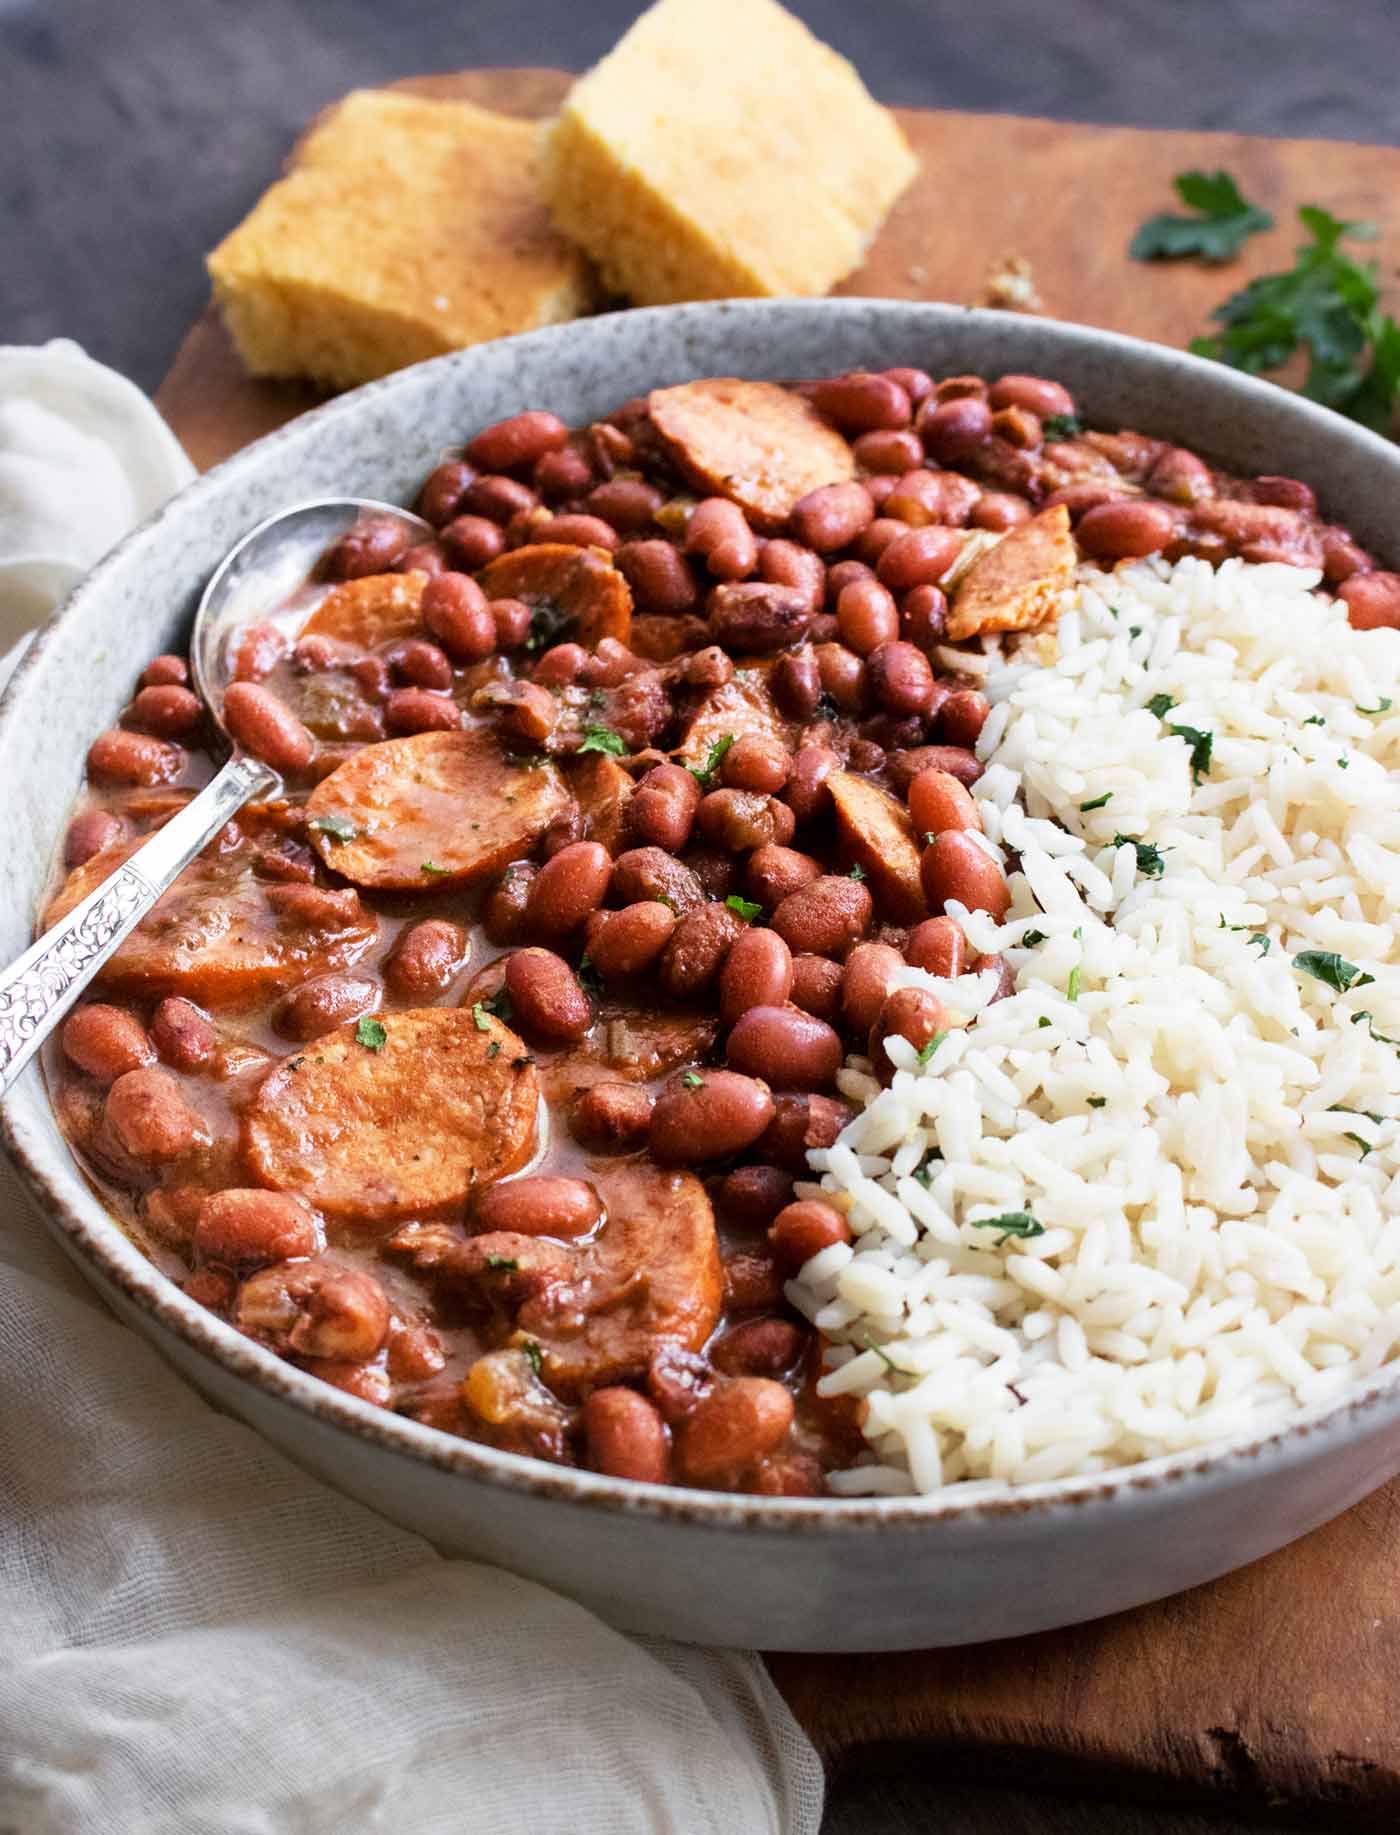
(1280, 1685)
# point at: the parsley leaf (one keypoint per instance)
(1327, 966)
(692, 1080)
(431, 867)
(746, 908)
(924, 1171)
(493, 1050)
(856, 872)
(371, 1034)
(549, 624)
(499, 1004)
(873, 1344)
(1010, 1223)
(1360, 1141)
(479, 1015)
(1096, 802)
(925, 1052)
(1223, 223)
(1381, 1038)
(1328, 305)
(1161, 705)
(588, 977)
(707, 772)
(504, 1262)
(1061, 427)
(603, 739)
(1073, 984)
(1096, 1102)
(1315, 720)
(1032, 937)
(1260, 941)
(1201, 744)
(1149, 856)
(339, 828)
(1384, 708)
(532, 1351)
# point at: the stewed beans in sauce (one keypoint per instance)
(477, 1073)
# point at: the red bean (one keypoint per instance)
(420, 710)
(953, 430)
(908, 1013)
(471, 541)
(955, 866)
(650, 872)
(740, 820)
(697, 948)
(579, 532)
(826, 917)
(629, 505)
(867, 978)
(938, 801)
(247, 1227)
(426, 959)
(797, 683)
(166, 672)
(804, 1229)
(90, 833)
(772, 872)
(626, 1436)
(612, 1117)
(420, 664)
(498, 500)
(441, 496)
(661, 582)
(661, 812)
(736, 1424)
(548, 1002)
(939, 946)
(542, 1205)
(756, 764)
(832, 516)
(426, 558)
(962, 717)
(512, 619)
(630, 941)
(893, 451)
(182, 1034)
(919, 557)
(816, 987)
(861, 402)
(1037, 393)
(147, 1113)
(759, 1347)
(750, 1197)
(134, 758)
(1372, 601)
(257, 652)
(372, 546)
(800, 1124)
(454, 610)
(718, 535)
(866, 616)
(269, 730)
(905, 766)
(106, 1041)
(708, 1115)
(999, 510)
(170, 712)
(1284, 494)
(1342, 557)
(842, 675)
(1122, 530)
(923, 617)
(503, 913)
(1180, 477)
(784, 563)
(755, 618)
(561, 474)
(917, 384)
(567, 887)
(901, 679)
(873, 543)
(518, 442)
(787, 1048)
(757, 972)
(561, 665)
(324, 1002)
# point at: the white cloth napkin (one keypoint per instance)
(195, 1637)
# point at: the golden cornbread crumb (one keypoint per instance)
(721, 150)
(404, 228)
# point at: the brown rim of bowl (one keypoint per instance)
(99, 1241)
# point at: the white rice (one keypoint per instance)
(1180, 1109)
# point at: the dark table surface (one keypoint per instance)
(134, 133)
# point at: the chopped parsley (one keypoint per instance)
(1383, 707)
(1327, 966)
(1072, 985)
(1340, 1108)
(1362, 1143)
(926, 1052)
(692, 1080)
(549, 625)
(1328, 305)
(1096, 1102)
(705, 774)
(522, 1063)
(527, 761)
(499, 1004)
(1223, 222)
(746, 908)
(1381, 1038)
(432, 868)
(1096, 802)
(924, 1171)
(533, 1353)
(1161, 705)
(1011, 1223)
(493, 1050)
(873, 1344)
(1061, 427)
(506, 1263)
(339, 828)
(479, 1015)
(603, 739)
(1259, 939)
(371, 1034)
(1314, 720)
(1032, 937)
(1044, 1020)
(1201, 744)
(588, 977)
(1149, 856)
(856, 872)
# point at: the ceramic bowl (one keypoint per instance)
(783, 1574)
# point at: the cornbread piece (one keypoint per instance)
(581, 594)
(721, 150)
(1016, 586)
(404, 228)
(758, 444)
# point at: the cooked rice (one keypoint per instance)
(1204, 1131)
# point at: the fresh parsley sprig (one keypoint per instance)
(1223, 222)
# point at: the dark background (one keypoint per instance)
(135, 133)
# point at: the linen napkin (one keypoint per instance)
(196, 1638)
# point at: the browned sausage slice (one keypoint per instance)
(650, 1277)
(221, 936)
(602, 790)
(739, 709)
(374, 610)
(759, 445)
(582, 597)
(397, 1117)
(1016, 586)
(433, 810)
(878, 836)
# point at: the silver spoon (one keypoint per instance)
(252, 580)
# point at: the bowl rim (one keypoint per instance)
(92, 1236)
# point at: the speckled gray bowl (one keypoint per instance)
(783, 1574)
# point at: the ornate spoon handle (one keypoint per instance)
(39, 988)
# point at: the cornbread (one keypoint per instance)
(404, 228)
(721, 150)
